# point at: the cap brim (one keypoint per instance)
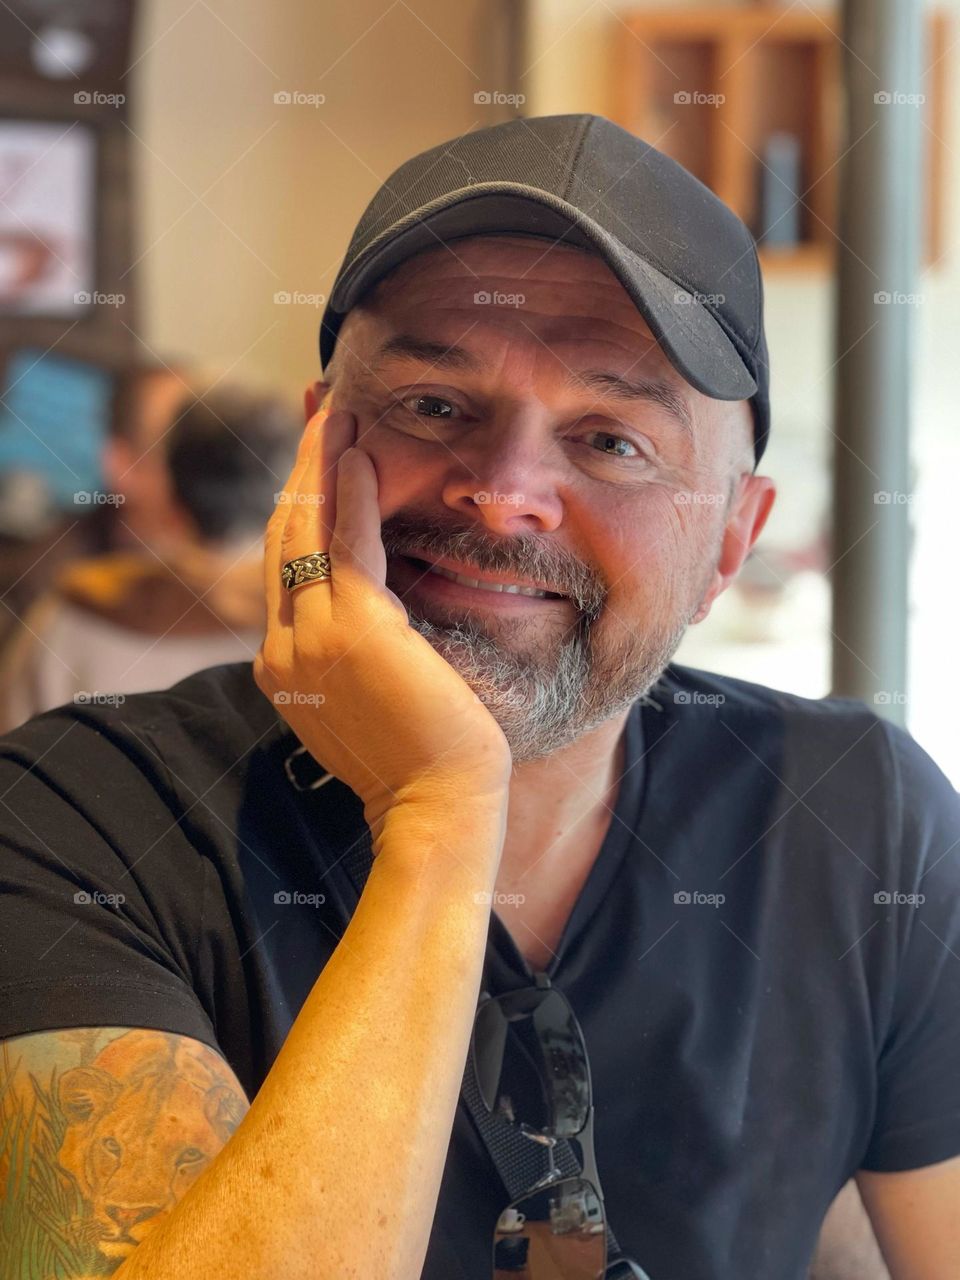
(692, 339)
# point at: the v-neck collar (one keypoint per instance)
(505, 962)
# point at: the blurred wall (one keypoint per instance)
(242, 198)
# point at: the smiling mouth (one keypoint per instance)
(462, 584)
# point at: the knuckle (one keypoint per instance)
(275, 524)
(261, 671)
(298, 525)
(267, 665)
(315, 651)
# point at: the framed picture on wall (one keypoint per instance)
(47, 217)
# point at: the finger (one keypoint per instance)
(274, 590)
(357, 541)
(308, 527)
(313, 494)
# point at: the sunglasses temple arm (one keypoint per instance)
(585, 1139)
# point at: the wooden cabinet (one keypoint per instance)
(711, 86)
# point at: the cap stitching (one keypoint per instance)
(571, 166)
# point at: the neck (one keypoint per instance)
(564, 803)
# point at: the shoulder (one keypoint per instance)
(107, 745)
(836, 752)
(746, 698)
(224, 694)
(699, 698)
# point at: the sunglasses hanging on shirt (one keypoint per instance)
(530, 1062)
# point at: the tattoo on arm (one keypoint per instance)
(102, 1131)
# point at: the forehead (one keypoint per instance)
(559, 305)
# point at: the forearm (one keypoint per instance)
(335, 1170)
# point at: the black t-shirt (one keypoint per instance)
(768, 1001)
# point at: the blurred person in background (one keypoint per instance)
(186, 592)
(39, 535)
(149, 397)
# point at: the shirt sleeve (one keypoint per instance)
(917, 1119)
(100, 891)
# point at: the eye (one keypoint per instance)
(420, 398)
(609, 439)
(612, 445)
(111, 1145)
(190, 1156)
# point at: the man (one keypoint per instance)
(548, 370)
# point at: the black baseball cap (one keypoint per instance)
(686, 260)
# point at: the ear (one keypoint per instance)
(744, 525)
(313, 397)
(223, 1110)
(85, 1093)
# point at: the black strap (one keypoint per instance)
(519, 1162)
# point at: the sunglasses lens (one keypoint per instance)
(554, 1234)
(531, 1061)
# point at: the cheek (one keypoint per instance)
(656, 554)
(659, 534)
(404, 475)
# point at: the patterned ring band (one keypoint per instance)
(312, 568)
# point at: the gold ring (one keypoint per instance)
(312, 568)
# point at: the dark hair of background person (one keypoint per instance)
(130, 381)
(228, 455)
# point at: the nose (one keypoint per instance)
(127, 1215)
(505, 479)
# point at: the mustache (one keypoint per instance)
(517, 556)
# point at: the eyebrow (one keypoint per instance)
(404, 346)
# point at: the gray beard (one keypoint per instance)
(543, 705)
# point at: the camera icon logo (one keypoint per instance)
(482, 298)
(82, 897)
(682, 97)
(82, 98)
(282, 897)
(682, 696)
(482, 98)
(282, 98)
(282, 698)
(682, 897)
(882, 899)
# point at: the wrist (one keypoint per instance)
(464, 832)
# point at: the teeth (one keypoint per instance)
(489, 586)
